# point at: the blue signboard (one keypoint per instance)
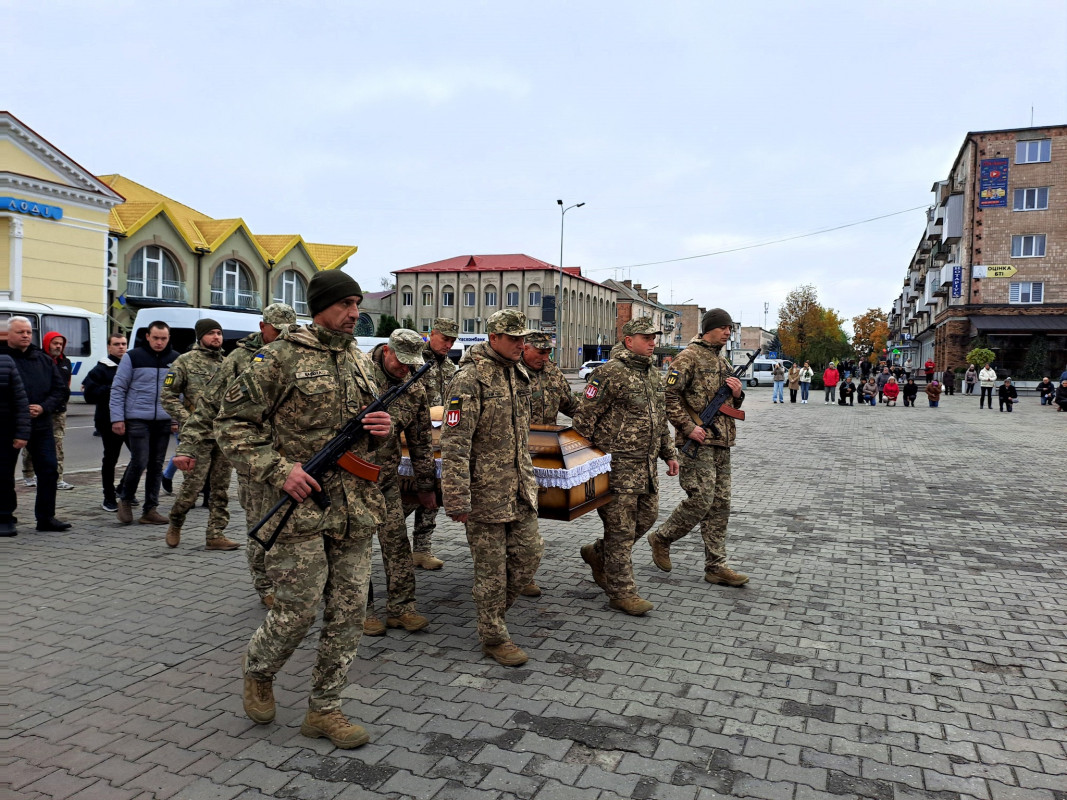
(20, 206)
(993, 183)
(957, 281)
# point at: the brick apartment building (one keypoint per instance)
(634, 301)
(686, 323)
(992, 261)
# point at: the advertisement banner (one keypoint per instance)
(993, 183)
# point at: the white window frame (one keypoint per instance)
(408, 298)
(427, 323)
(448, 298)
(291, 288)
(535, 298)
(490, 298)
(1036, 242)
(469, 299)
(1030, 199)
(469, 326)
(1032, 294)
(236, 289)
(154, 274)
(427, 297)
(1033, 151)
(513, 298)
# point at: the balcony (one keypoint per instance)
(933, 231)
(937, 285)
(156, 293)
(953, 227)
(230, 300)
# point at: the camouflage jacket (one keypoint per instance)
(296, 394)
(411, 415)
(437, 377)
(486, 467)
(695, 376)
(187, 380)
(623, 413)
(199, 427)
(549, 394)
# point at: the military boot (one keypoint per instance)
(724, 575)
(506, 654)
(409, 621)
(634, 606)
(174, 535)
(596, 564)
(425, 560)
(661, 552)
(334, 726)
(258, 697)
(372, 625)
(221, 543)
(531, 590)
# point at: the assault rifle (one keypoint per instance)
(336, 453)
(718, 405)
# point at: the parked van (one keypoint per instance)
(182, 321)
(762, 372)
(85, 332)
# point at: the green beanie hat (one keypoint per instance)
(205, 325)
(326, 288)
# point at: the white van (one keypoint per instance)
(85, 332)
(762, 372)
(182, 321)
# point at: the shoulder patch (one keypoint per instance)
(169, 380)
(257, 358)
(672, 377)
(236, 392)
(593, 389)
(312, 373)
(452, 416)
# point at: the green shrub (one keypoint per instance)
(981, 356)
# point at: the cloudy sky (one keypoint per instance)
(424, 130)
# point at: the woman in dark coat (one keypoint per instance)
(910, 391)
(948, 380)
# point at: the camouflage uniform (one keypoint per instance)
(436, 382)
(623, 413)
(488, 475)
(549, 391)
(183, 390)
(411, 415)
(293, 398)
(694, 378)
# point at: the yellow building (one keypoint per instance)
(168, 254)
(53, 223)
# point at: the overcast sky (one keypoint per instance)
(422, 131)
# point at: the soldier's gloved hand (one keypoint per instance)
(428, 500)
(378, 423)
(299, 485)
(185, 463)
(672, 468)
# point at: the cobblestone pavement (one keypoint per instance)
(903, 636)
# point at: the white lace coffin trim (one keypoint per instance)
(546, 478)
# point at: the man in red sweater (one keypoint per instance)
(830, 379)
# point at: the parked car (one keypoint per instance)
(587, 367)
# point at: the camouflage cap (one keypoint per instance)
(446, 327)
(539, 340)
(407, 347)
(279, 315)
(513, 323)
(640, 325)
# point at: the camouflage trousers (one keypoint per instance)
(396, 553)
(706, 479)
(626, 519)
(335, 571)
(425, 522)
(506, 556)
(257, 500)
(211, 465)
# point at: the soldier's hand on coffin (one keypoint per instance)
(185, 463)
(672, 468)
(299, 484)
(378, 423)
(428, 500)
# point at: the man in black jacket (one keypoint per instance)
(97, 389)
(46, 392)
(14, 433)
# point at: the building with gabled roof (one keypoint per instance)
(635, 301)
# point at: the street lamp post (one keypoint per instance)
(559, 295)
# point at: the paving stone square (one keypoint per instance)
(904, 635)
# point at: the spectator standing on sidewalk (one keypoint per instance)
(806, 374)
(933, 393)
(882, 380)
(97, 390)
(948, 380)
(830, 377)
(794, 382)
(137, 414)
(909, 368)
(1007, 395)
(54, 344)
(970, 378)
(910, 392)
(988, 379)
(14, 433)
(928, 368)
(778, 375)
(45, 392)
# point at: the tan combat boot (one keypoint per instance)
(661, 552)
(174, 535)
(125, 512)
(334, 726)
(426, 560)
(372, 626)
(221, 543)
(634, 606)
(596, 564)
(531, 590)
(724, 575)
(153, 517)
(258, 697)
(409, 621)
(506, 654)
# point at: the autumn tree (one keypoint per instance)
(808, 331)
(870, 332)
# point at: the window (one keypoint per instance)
(153, 274)
(292, 289)
(408, 297)
(1031, 199)
(512, 296)
(490, 298)
(232, 286)
(468, 326)
(74, 329)
(1030, 246)
(535, 297)
(1025, 292)
(1034, 151)
(448, 298)
(468, 299)
(426, 324)
(427, 297)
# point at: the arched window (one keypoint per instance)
(470, 297)
(511, 299)
(448, 296)
(232, 286)
(291, 288)
(153, 274)
(365, 326)
(535, 294)
(407, 296)
(490, 296)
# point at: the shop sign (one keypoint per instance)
(35, 209)
(957, 281)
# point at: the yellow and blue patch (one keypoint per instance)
(454, 413)
(169, 380)
(672, 377)
(593, 389)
